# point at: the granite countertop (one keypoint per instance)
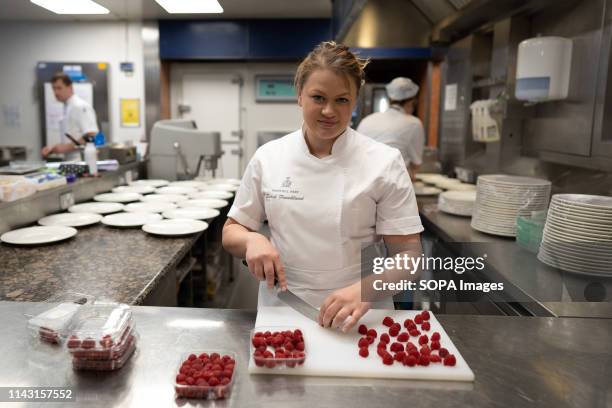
(119, 264)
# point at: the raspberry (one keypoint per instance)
(363, 342)
(262, 348)
(414, 332)
(387, 321)
(181, 377)
(399, 356)
(418, 319)
(214, 356)
(410, 361)
(435, 345)
(403, 336)
(381, 351)
(395, 329)
(425, 326)
(363, 352)
(387, 359)
(396, 347)
(289, 346)
(424, 350)
(267, 334)
(268, 363)
(225, 381)
(423, 339)
(73, 342)
(203, 356)
(372, 333)
(257, 334)
(228, 373)
(408, 323)
(297, 333)
(107, 341)
(450, 360)
(410, 346)
(443, 352)
(425, 315)
(214, 381)
(385, 337)
(190, 380)
(362, 329)
(434, 358)
(300, 346)
(424, 360)
(89, 343)
(435, 336)
(381, 345)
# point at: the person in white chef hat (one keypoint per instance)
(397, 127)
(325, 189)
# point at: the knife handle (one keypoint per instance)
(244, 262)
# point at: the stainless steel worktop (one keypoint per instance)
(517, 361)
(538, 288)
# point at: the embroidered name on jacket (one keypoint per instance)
(286, 191)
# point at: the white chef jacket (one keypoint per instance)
(79, 118)
(396, 128)
(320, 210)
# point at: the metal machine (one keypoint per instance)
(177, 150)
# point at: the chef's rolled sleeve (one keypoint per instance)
(248, 207)
(396, 210)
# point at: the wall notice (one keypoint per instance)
(450, 97)
(130, 112)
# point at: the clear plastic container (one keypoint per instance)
(107, 365)
(15, 187)
(99, 326)
(276, 355)
(104, 350)
(204, 390)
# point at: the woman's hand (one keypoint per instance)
(341, 305)
(264, 261)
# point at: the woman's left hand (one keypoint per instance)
(341, 305)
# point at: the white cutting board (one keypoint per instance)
(333, 353)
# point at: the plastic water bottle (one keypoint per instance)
(91, 158)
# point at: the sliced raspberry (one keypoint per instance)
(418, 319)
(362, 329)
(403, 336)
(410, 361)
(395, 347)
(363, 342)
(424, 360)
(443, 352)
(435, 345)
(425, 326)
(387, 321)
(387, 359)
(423, 339)
(399, 356)
(450, 360)
(363, 352)
(385, 337)
(414, 332)
(425, 315)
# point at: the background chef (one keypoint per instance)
(324, 189)
(79, 118)
(397, 126)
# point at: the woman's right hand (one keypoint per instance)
(264, 261)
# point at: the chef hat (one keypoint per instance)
(401, 89)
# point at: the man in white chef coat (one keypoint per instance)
(397, 126)
(79, 118)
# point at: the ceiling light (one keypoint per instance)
(72, 6)
(190, 6)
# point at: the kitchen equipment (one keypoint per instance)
(122, 153)
(333, 353)
(129, 220)
(298, 304)
(71, 219)
(38, 235)
(117, 197)
(529, 229)
(501, 198)
(97, 208)
(175, 227)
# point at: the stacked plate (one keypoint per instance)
(501, 198)
(426, 191)
(578, 234)
(457, 202)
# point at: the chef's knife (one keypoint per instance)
(296, 302)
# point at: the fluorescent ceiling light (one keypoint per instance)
(190, 6)
(72, 6)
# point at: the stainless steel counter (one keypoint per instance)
(518, 361)
(541, 290)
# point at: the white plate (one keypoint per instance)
(194, 213)
(176, 190)
(134, 189)
(575, 212)
(588, 201)
(187, 183)
(175, 227)
(126, 220)
(150, 207)
(221, 195)
(427, 191)
(204, 202)
(461, 187)
(155, 183)
(219, 187)
(97, 208)
(459, 196)
(233, 181)
(165, 198)
(505, 179)
(70, 219)
(38, 235)
(117, 197)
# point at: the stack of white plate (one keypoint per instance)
(457, 202)
(426, 191)
(445, 183)
(501, 198)
(430, 178)
(578, 234)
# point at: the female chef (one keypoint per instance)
(324, 189)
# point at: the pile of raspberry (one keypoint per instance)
(402, 350)
(204, 374)
(288, 348)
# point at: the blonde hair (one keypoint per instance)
(335, 57)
